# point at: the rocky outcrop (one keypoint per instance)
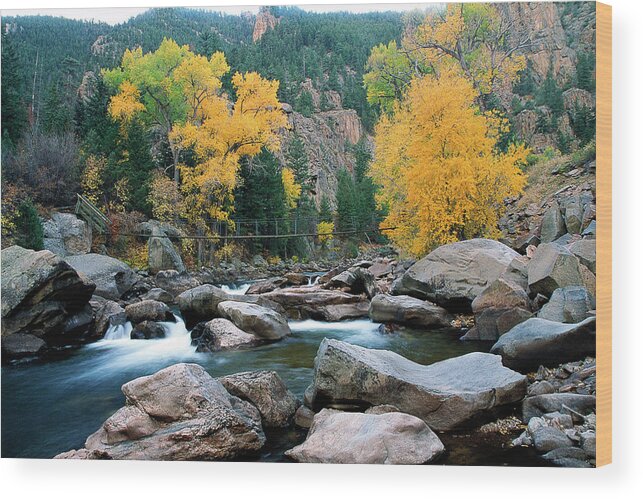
(354, 438)
(112, 277)
(260, 321)
(267, 392)
(570, 304)
(265, 21)
(408, 311)
(320, 304)
(40, 295)
(446, 395)
(552, 266)
(179, 413)
(454, 274)
(538, 342)
(220, 334)
(64, 235)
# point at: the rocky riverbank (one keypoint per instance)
(537, 307)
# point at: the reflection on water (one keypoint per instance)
(52, 406)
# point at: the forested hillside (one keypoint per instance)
(80, 113)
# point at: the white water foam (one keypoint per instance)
(235, 290)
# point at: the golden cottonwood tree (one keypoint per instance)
(180, 93)
(439, 174)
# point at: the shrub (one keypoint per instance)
(29, 232)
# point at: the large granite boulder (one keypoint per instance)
(355, 438)
(220, 334)
(179, 413)
(175, 282)
(499, 307)
(267, 392)
(309, 302)
(408, 311)
(18, 345)
(570, 304)
(538, 342)
(454, 274)
(255, 319)
(148, 310)
(553, 224)
(552, 266)
(40, 295)
(106, 313)
(65, 234)
(446, 395)
(161, 254)
(112, 277)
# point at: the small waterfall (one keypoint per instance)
(119, 331)
(312, 280)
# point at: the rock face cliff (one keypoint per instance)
(264, 21)
(327, 136)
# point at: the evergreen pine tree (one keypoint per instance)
(29, 227)
(14, 115)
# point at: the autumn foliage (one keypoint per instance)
(439, 174)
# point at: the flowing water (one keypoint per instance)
(50, 406)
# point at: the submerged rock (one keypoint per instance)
(267, 392)
(355, 438)
(446, 395)
(179, 413)
(538, 342)
(454, 274)
(408, 311)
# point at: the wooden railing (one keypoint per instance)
(92, 215)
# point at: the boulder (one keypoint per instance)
(65, 235)
(355, 438)
(588, 280)
(148, 310)
(570, 304)
(548, 438)
(175, 282)
(309, 302)
(304, 417)
(220, 334)
(106, 313)
(201, 304)
(40, 294)
(356, 280)
(535, 407)
(553, 224)
(112, 277)
(538, 342)
(521, 244)
(161, 254)
(267, 392)
(255, 319)
(585, 251)
(408, 311)
(266, 286)
(552, 266)
(590, 230)
(500, 306)
(574, 215)
(178, 413)
(147, 330)
(158, 294)
(446, 395)
(454, 274)
(296, 279)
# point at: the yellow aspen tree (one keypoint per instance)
(439, 174)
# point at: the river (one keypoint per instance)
(50, 406)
